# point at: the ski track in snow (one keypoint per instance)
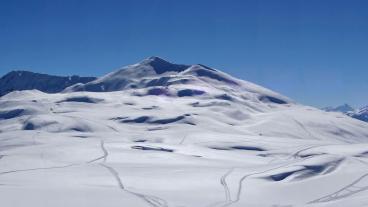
(104, 156)
(242, 179)
(151, 200)
(304, 128)
(296, 154)
(226, 188)
(105, 153)
(344, 192)
(40, 168)
(183, 139)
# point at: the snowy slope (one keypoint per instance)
(177, 135)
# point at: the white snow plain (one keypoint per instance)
(138, 148)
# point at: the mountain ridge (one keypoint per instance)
(26, 80)
(155, 72)
(342, 108)
(360, 113)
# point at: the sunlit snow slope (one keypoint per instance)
(161, 134)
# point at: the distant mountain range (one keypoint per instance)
(25, 80)
(361, 114)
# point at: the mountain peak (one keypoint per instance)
(155, 58)
(342, 108)
(161, 66)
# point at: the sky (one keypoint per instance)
(314, 51)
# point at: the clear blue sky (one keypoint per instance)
(314, 51)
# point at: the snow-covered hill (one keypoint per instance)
(25, 80)
(162, 134)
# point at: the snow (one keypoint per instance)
(131, 147)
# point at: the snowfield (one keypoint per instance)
(160, 134)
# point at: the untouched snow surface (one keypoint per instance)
(205, 143)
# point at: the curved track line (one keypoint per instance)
(41, 168)
(62, 166)
(226, 188)
(344, 192)
(224, 184)
(104, 151)
(241, 181)
(151, 200)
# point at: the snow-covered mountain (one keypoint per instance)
(162, 134)
(345, 108)
(360, 114)
(25, 80)
(159, 76)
